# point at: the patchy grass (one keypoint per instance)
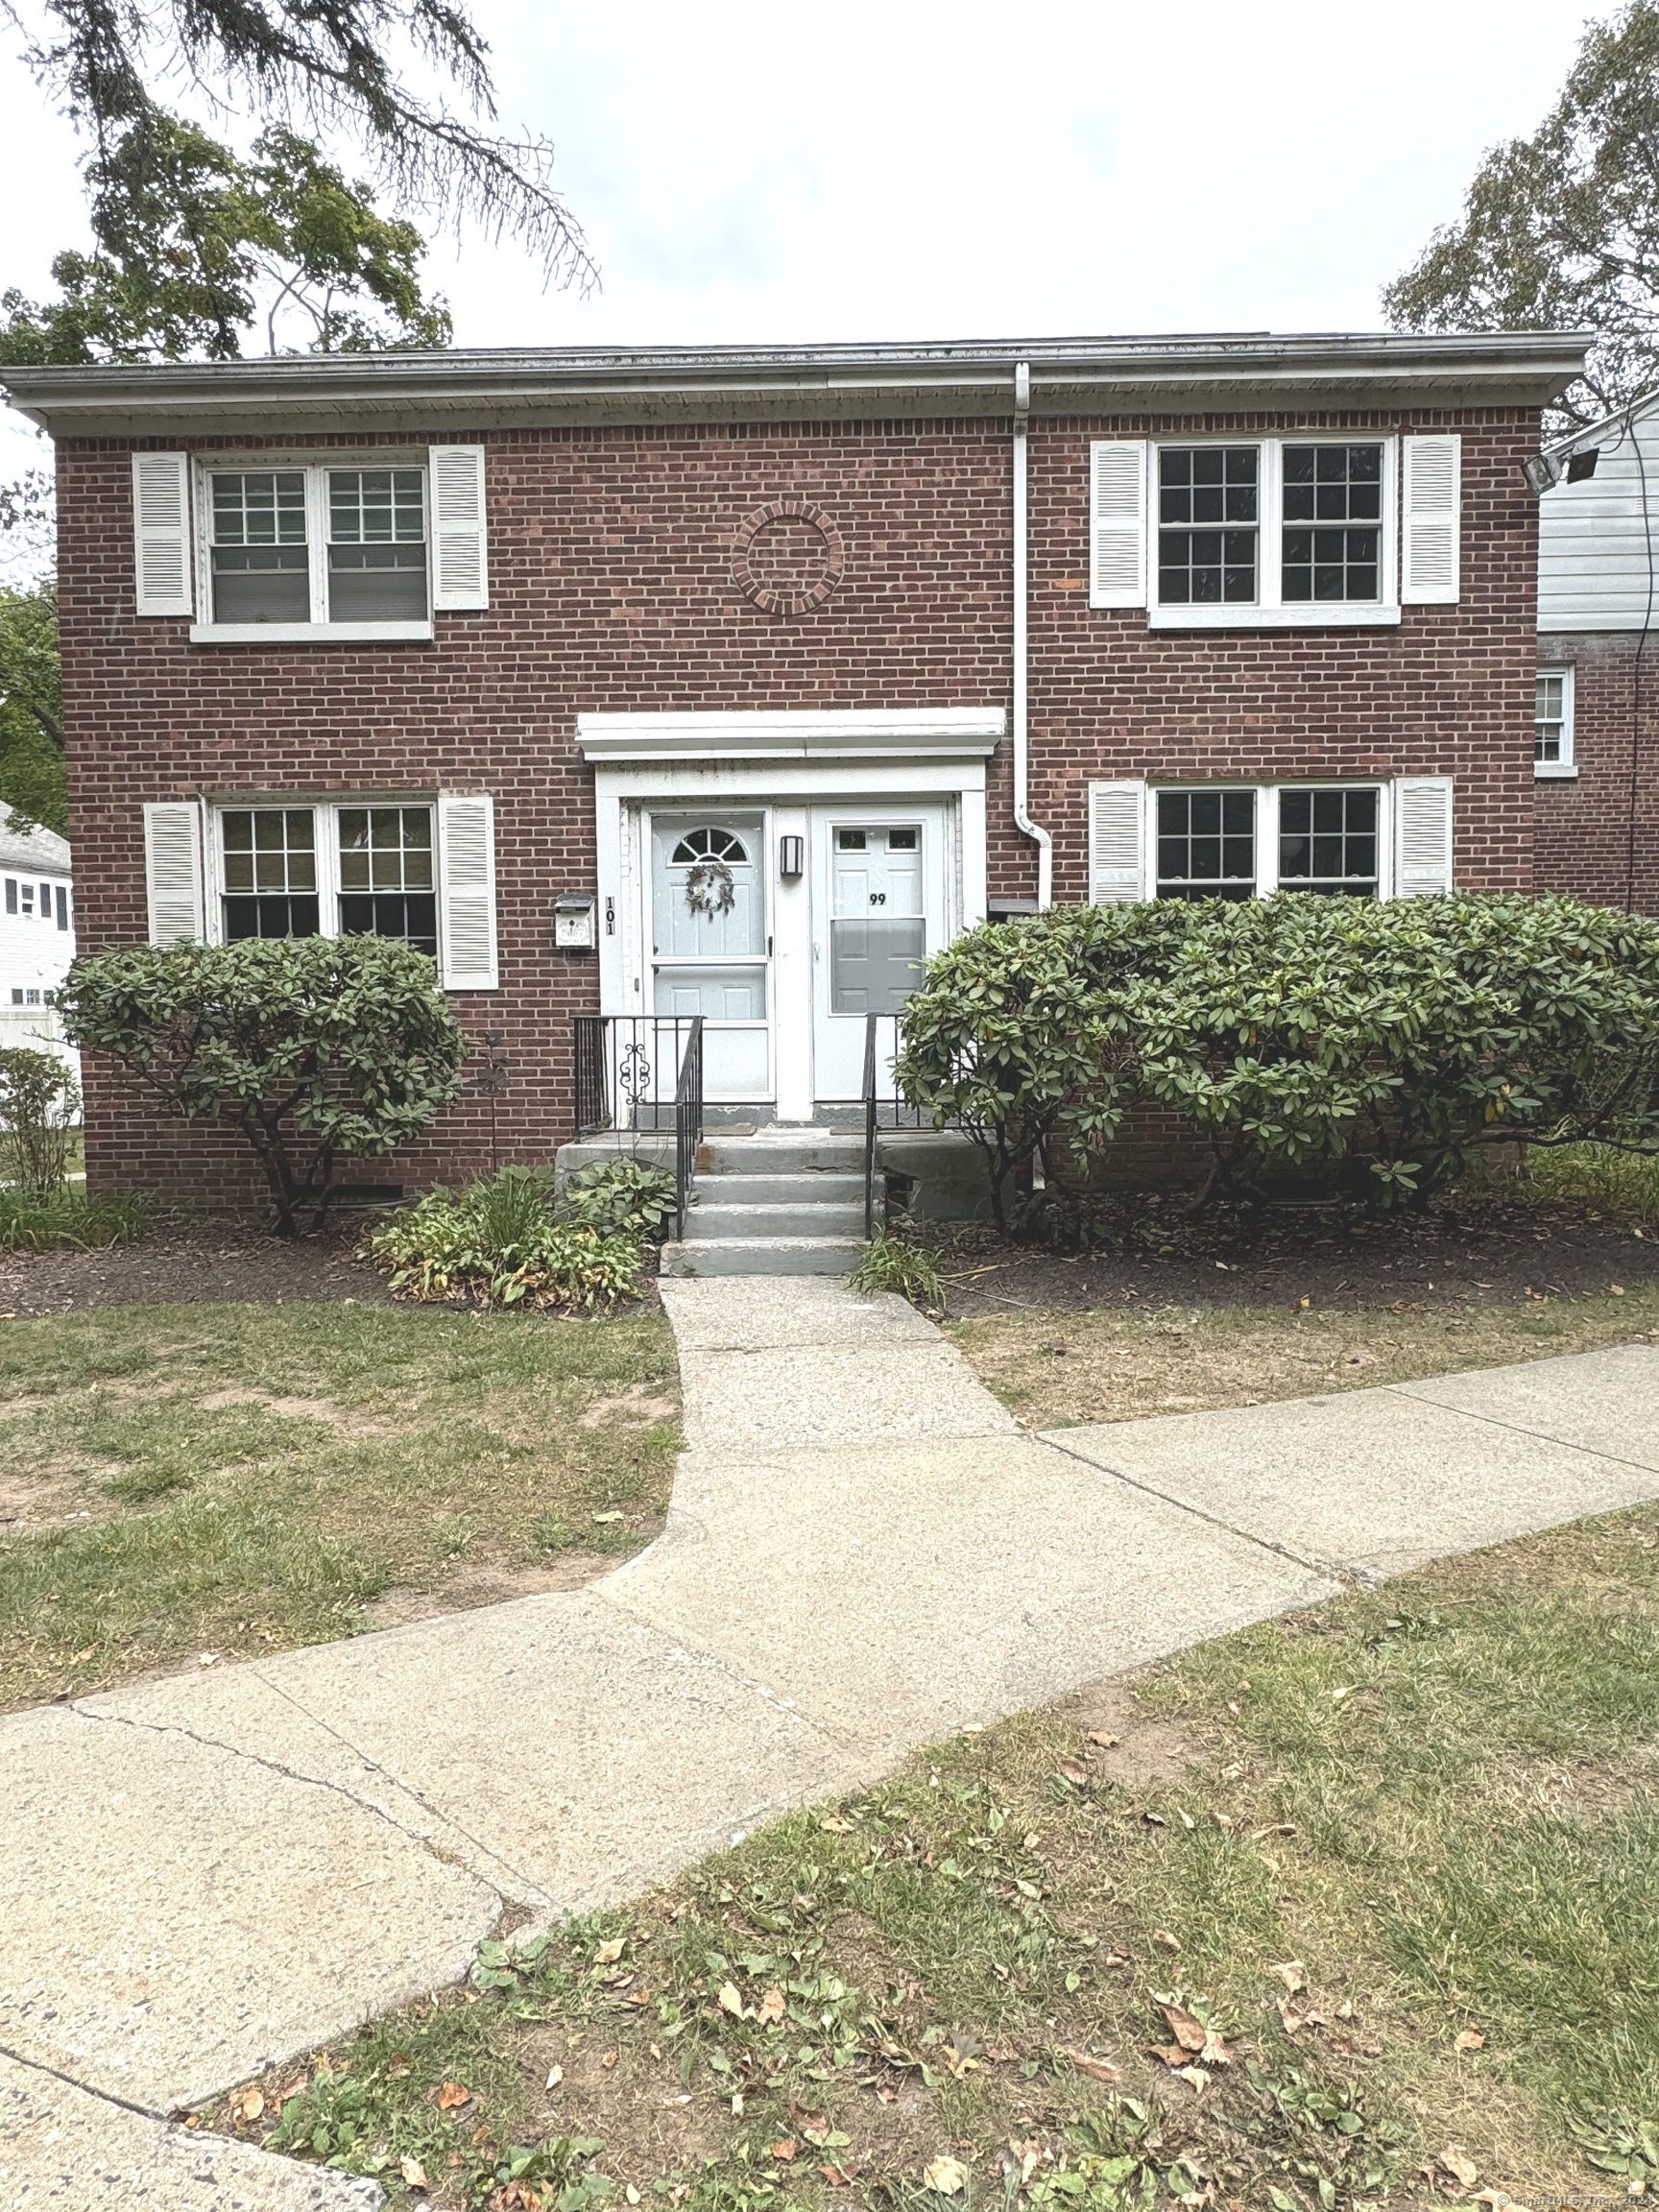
(69, 1219)
(1055, 1370)
(1356, 1906)
(1593, 1175)
(181, 1479)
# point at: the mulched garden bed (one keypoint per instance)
(1338, 1257)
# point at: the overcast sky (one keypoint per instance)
(917, 169)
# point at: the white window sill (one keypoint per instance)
(1345, 616)
(1554, 771)
(310, 633)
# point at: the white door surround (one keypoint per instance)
(789, 774)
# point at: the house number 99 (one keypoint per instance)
(877, 898)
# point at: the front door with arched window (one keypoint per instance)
(711, 952)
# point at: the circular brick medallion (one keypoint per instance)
(787, 557)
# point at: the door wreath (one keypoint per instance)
(710, 889)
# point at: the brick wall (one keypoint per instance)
(1584, 840)
(612, 588)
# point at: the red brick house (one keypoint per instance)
(1597, 752)
(733, 682)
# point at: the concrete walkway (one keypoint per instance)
(207, 1874)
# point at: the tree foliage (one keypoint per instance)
(31, 708)
(194, 247)
(40, 1105)
(1560, 231)
(313, 1048)
(1378, 1045)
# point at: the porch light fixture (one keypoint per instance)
(791, 857)
(1541, 470)
(1582, 465)
(574, 922)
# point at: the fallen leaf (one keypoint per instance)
(397, 2066)
(1073, 1773)
(608, 1953)
(837, 2176)
(1163, 1937)
(835, 1826)
(452, 2095)
(413, 2173)
(604, 1517)
(1617, 1288)
(1459, 2165)
(809, 2122)
(1197, 2074)
(251, 2103)
(79, 1658)
(1191, 2035)
(771, 2007)
(610, 2059)
(1291, 2022)
(1097, 2069)
(555, 2074)
(730, 2000)
(1468, 2039)
(785, 2150)
(632, 2194)
(1293, 1973)
(948, 2175)
(1100, 1737)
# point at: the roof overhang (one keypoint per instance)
(839, 734)
(476, 390)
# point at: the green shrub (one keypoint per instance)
(1381, 1043)
(67, 1216)
(40, 1108)
(623, 1199)
(892, 1262)
(314, 1047)
(497, 1243)
(1597, 1175)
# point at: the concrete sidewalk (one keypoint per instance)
(209, 1874)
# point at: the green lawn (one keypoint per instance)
(184, 1479)
(1393, 1865)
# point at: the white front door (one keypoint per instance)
(710, 953)
(879, 911)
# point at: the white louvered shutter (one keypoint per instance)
(161, 533)
(460, 552)
(1431, 519)
(1422, 836)
(1116, 843)
(173, 871)
(1118, 523)
(467, 891)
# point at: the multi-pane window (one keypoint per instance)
(387, 887)
(1552, 719)
(1206, 844)
(25, 897)
(264, 524)
(1327, 841)
(260, 562)
(1208, 520)
(269, 872)
(376, 545)
(1331, 547)
(345, 870)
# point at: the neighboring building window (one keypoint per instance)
(335, 870)
(1332, 522)
(63, 907)
(1552, 720)
(1206, 844)
(1327, 841)
(10, 894)
(264, 524)
(1207, 524)
(16, 997)
(32, 998)
(387, 887)
(48, 998)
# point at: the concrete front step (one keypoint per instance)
(797, 1186)
(781, 1151)
(713, 1217)
(763, 1255)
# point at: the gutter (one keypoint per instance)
(1023, 820)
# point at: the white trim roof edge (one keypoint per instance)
(845, 733)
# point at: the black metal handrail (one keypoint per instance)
(883, 1109)
(628, 1068)
(870, 1021)
(688, 1121)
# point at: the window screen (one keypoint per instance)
(376, 545)
(1207, 524)
(386, 881)
(1206, 844)
(269, 872)
(1327, 841)
(260, 564)
(1332, 522)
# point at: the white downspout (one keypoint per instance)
(1040, 837)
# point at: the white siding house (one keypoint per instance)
(36, 937)
(1599, 536)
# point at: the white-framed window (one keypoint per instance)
(29, 900)
(336, 870)
(1552, 723)
(1356, 838)
(1302, 530)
